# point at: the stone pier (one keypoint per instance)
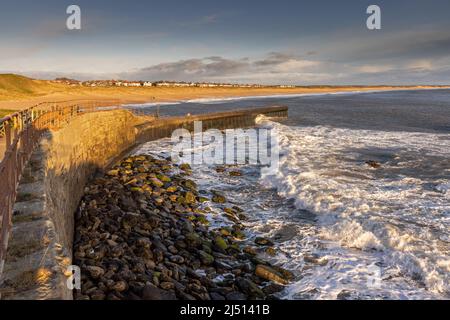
(40, 244)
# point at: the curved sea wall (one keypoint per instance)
(40, 245)
(41, 240)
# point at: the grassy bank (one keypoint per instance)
(14, 87)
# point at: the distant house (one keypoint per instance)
(163, 84)
(68, 81)
(125, 83)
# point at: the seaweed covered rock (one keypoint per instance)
(141, 234)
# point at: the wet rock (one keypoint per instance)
(95, 272)
(225, 232)
(218, 197)
(271, 251)
(250, 288)
(156, 182)
(98, 295)
(206, 258)
(167, 285)
(221, 243)
(314, 259)
(247, 267)
(272, 288)
(202, 219)
(113, 173)
(144, 243)
(216, 296)
(344, 295)
(189, 184)
(172, 249)
(242, 217)
(263, 241)
(238, 234)
(193, 239)
(172, 189)
(220, 264)
(237, 209)
(230, 211)
(373, 164)
(235, 295)
(177, 259)
(163, 178)
(185, 166)
(268, 273)
(119, 286)
(189, 197)
(285, 273)
(151, 292)
(250, 250)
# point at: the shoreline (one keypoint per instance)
(214, 100)
(307, 257)
(150, 96)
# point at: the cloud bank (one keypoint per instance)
(406, 57)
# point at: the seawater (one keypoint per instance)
(346, 229)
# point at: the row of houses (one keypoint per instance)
(124, 83)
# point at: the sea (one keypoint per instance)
(347, 229)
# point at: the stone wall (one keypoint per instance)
(90, 142)
(148, 131)
(40, 245)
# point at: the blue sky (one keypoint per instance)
(295, 42)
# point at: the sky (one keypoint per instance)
(268, 42)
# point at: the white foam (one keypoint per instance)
(151, 104)
(443, 187)
(215, 100)
(387, 209)
(390, 220)
(291, 95)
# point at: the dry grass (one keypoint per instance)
(5, 112)
(13, 86)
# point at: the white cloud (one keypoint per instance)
(421, 65)
(295, 66)
(374, 68)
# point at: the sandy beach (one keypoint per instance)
(156, 94)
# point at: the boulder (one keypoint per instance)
(268, 273)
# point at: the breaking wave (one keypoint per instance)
(384, 194)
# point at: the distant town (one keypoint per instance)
(125, 83)
(173, 84)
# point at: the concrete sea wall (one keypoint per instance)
(40, 246)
